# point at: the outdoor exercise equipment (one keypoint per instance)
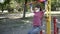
(48, 15)
(48, 19)
(48, 22)
(56, 29)
(55, 25)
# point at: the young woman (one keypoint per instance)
(37, 20)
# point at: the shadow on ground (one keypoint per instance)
(15, 26)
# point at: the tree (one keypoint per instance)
(3, 5)
(55, 4)
(25, 9)
(25, 6)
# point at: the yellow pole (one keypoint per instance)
(48, 10)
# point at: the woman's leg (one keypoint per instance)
(29, 32)
(34, 31)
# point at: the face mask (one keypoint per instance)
(37, 10)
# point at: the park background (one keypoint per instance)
(16, 18)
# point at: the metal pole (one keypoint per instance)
(48, 10)
(55, 25)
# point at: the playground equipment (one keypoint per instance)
(48, 19)
(56, 29)
(48, 10)
(55, 25)
(48, 24)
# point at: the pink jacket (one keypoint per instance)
(37, 20)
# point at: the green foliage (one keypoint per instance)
(19, 1)
(7, 2)
(4, 5)
(54, 4)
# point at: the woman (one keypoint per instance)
(37, 20)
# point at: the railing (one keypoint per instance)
(54, 12)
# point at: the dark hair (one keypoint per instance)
(38, 6)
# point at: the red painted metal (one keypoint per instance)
(55, 25)
(41, 32)
(57, 30)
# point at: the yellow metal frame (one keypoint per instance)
(48, 21)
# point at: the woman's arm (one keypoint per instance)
(31, 9)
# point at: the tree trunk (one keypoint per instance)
(25, 8)
(2, 9)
